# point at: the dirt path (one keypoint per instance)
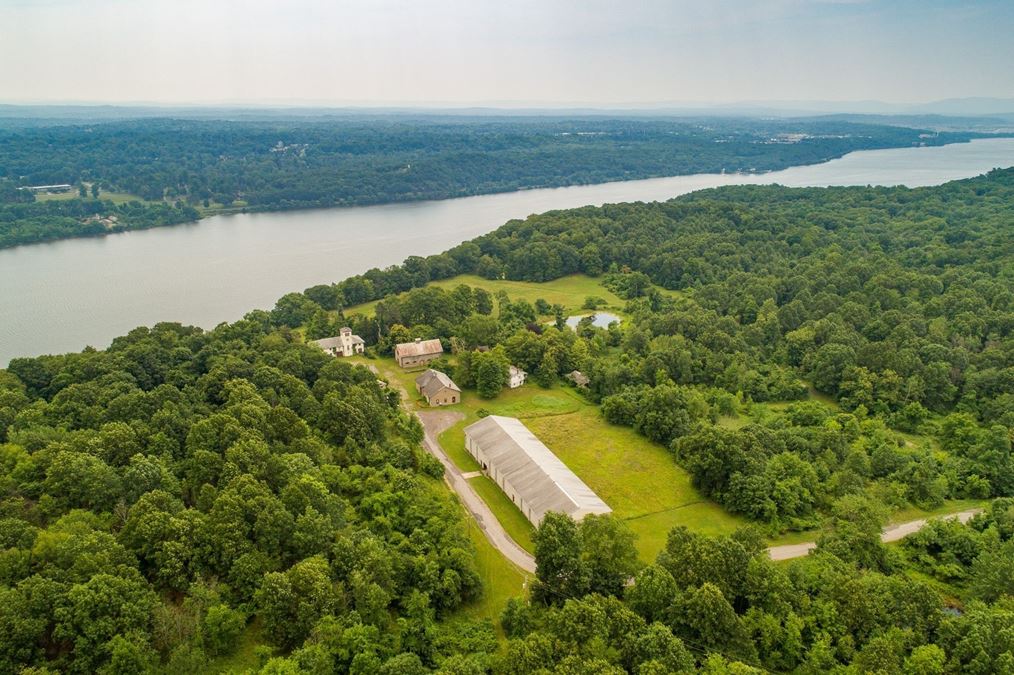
(891, 533)
(436, 421)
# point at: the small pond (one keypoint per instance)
(600, 319)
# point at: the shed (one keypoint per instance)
(578, 378)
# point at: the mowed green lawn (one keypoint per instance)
(570, 291)
(506, 511)
(527, 402)
(501, 579)
(638, 479)
(524, 403)
(453, 442)
(114, 197)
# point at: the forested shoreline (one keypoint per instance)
(180, 170)
(30, 222)
(164, 498)
(896, 302)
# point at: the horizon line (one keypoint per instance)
(498, 104)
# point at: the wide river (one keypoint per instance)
(62, 296)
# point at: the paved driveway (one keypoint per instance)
(436, 421)
(892, 533)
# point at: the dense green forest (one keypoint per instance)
(163, 498)
(28, 222)
(159, 494)
(288, 164)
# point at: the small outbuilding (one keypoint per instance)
(437, 388)
(417, 353)
(346, 344)
(528, 472)
(517, 377)
(578, 378)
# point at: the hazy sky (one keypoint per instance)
(572, 52)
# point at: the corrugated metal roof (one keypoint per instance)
(421, 348)
(542, 481)
(432, 381)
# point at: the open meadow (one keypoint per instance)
(570, 292)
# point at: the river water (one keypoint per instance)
(64, 295)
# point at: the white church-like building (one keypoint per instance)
(346, 344)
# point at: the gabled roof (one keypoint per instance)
(543, 482)
(514, 370)
(419, 348)
(328, 343)
(432, 381)
(578, 378)
(332, 342)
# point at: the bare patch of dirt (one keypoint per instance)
(437, 421)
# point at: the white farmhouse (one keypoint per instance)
(346, 344)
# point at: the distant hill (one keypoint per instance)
(989, 124)
(967, 109)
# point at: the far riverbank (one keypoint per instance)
(64, 295)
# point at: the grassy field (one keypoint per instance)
(114, 197)
(948, 507)
(500, 578)
(638, 479)
(526, 402)
(453, 443)
(569, 291)
(506, 511)
(401, 379)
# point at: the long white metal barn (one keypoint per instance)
(527, 471)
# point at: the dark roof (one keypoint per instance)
(432, 381)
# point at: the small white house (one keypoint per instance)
(517, 377)
(346, 344)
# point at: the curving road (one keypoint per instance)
(436, 421)
(892, 533)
